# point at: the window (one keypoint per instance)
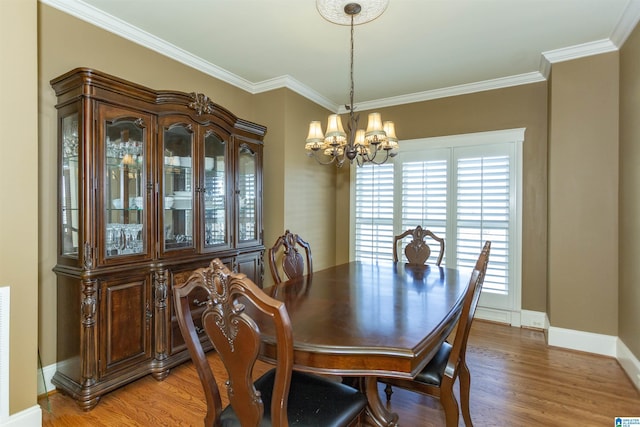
(464, 188)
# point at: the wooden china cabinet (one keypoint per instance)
(152, 185)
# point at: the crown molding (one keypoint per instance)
(464, 89)
(294, 85)
(574, 52)
(117, 26)
(627, 23)
(94, 16)
(579, 51)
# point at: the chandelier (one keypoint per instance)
(378, 143)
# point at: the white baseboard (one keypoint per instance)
(494, 315)
(582, 341)
(522, 318)
(45, 386)
(534, 319)
(605, 345)
(30, 417)
(559, 337)
(629, 363)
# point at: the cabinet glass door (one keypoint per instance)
(215, 191)
(247, 194)
(126, 203)
(178, 187)
(69, 197)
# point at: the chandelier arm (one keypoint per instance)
(338, 159)
(371, 153)
(386, 157)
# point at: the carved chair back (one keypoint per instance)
(285, 259)
(459, 350)
(236, 309)
(418, 251)
(440, 374)
(236, 338)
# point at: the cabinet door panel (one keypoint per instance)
(251, 265)
(248, 193)
(125, 183)
(126, 323)
(216, 202)
(178, 185)
(70, 156)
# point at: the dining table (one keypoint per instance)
(365, 320)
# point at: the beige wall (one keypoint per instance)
(583, 195)
(629, 291)
(270, 112)
(19, 193)
(298, 192)
(516, 107)
(310, 202)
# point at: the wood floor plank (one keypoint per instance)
(516, 380)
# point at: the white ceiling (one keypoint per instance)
(418, 49)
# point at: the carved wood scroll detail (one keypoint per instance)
(201, 103)
(220, 304)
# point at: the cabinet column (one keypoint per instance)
(88, 338)
(161, 318)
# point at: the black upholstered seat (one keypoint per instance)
(313, 402)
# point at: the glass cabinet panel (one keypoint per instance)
(247, 194)
(69, 202)
(215, 186)
(178, 187)
(125, 187)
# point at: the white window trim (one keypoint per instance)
(513, 315)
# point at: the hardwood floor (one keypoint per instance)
(516, 380)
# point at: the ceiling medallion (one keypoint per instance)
(335, 10)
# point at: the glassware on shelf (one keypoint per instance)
(168, 202)
(70, 136)
(124, 239)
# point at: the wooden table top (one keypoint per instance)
(382, 319)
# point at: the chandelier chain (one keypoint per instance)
(351, 68)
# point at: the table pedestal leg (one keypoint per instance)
(377, 413)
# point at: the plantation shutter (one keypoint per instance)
(374, 212)
(424, 201)
(483, 212)
(464, 188)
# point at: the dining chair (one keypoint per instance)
(417, 250)
(286, 249)
(279, 398)
(449, 363)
